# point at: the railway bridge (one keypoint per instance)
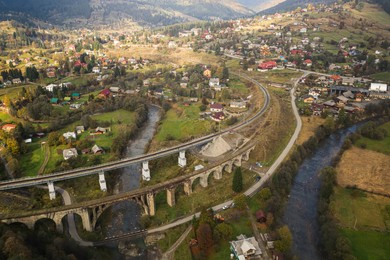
(90, 211)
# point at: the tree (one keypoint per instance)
(225, 73)
(284, 244)
(240, 201)
(223, 231)
(265, 194)
(237, 180)
(204, 234)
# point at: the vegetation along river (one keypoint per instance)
(301, 210)
(126, 214)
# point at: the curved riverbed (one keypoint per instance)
(301, 210)
(126, 214)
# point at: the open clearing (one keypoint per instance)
(369, 244)
(361, 210)
(309, 126)
(382, 146)
(373, 176)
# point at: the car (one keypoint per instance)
(225, 207)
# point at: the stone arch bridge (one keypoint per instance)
(90, 211)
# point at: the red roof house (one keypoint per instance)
(105, 93)
(268, 65)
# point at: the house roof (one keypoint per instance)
(96, 149)
(106, 92)
(75, 94)
(247, 246)
(54, 100)
(216, 106)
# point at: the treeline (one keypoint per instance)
(333, 244)
(384, 3)
(19, 242)
(12, 74)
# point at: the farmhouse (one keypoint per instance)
(69, 153)
(216, 107)
(243, 248)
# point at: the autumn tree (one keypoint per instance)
(284, 244)
(240, 201)
(204, 235)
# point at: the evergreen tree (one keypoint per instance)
(237, 180)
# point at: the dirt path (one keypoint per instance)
(169, 255)
(47, 157)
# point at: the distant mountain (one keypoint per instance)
(260, 5)
(290, 5)
(94, 13)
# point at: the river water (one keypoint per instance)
(126, 214)
(301, 210)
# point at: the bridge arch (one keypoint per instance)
(227, 167)
(237, 161)
(47, 224)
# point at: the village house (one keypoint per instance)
(207, 73)
(218, 116)
(267, 65)
(216, 107)
(51, 87)
(97, 149)
(214, 82)
(69, 135)
(69, 153)
(378, 87)
(80, 129)
(8, 127)
(243, 247)
(74, 106)
(96, 70)
(237, 104)
(100, 130)
(54, 101)
(307, 99)
(105, 93)
(16, 81)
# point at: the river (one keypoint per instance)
(301, 210)
(126, 214)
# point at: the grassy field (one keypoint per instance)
(361, 210)
(181, 123)
(372, 177)
(383, 76)
(32, 161)
(370, 245)
(309, 125)
(382, 146)
(5, 117)
(217, 191)
(171, 236)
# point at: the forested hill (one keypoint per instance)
(95, 13)
(290, 5)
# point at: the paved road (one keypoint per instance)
(70, 217)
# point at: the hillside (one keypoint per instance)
(290, 5)
(97, 13)
(260, 5)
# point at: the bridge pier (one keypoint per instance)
(188, 188)
(203, 180)
(52, 192)
(102, 181)
(182, 159)
(87, 225)
(218, 174)
(145, 171)
(151, 204)
(171, 199)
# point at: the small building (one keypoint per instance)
(267, 65)
(69, 135)
(16, 81)
(214, 82)
(218, 116)
(243, 248)
(51, 87)
(115, 89)
(342, 99)
(207, 73)
(308, 99)
(69, 153)
(216, 107)
(238, 104)
(8, 127)
(97, 149)
(96, 70)
(308, 63)
(100, 130)
(76, 95)
(80, 129)
(75, 106)
(105, 93)
(379, 87)
(54, 101)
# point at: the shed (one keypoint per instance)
(54, 100)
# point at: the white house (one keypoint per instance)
(51, 87)
(96, 70)
(69, 135)
(379, 87)
(303, 30)
(214, 82)
(215, 107)
(69, 153)
(237, 104)
(244, 248)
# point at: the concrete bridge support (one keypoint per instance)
(182, 159)
(145, 171)
(218, 174)
(188, 188)
(171, 200)
(228, 167)
(151, 204)
(52, 192)
(102, 181)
